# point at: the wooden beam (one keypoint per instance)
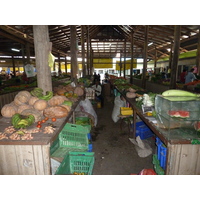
(145, 57)
(155, 60)
(131, 70)
(13, 63)
(27, 46)
(83, 50)
(65, 65)
(120, 63)
(124, 58)
(11, 37)
(88, 52)
(73, 49)
(177, 33)
(91, 58)
(59, 64)
(198, 54)
(41, 43)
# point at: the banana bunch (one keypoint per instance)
(38, 92)
(49, 95)
(19, 122)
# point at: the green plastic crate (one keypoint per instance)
(86, 122)
(158, 169)
(72, 138)
(76, 162)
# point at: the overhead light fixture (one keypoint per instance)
(15, 50)
(2, 61)
(150, 43)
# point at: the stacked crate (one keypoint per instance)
(73, 144)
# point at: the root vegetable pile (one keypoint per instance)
(23, 134)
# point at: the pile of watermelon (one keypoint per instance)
(179, 114)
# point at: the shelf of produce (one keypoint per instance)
(39, 138)
(182, 156)
(30, 157)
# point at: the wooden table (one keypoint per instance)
(183, 157)
(29, 157)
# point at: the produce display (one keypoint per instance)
(19, 121)
(178, 113)
(147, 99)
(38, 92)
(34, 107)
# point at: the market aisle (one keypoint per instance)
(114, 153)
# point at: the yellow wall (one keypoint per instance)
(103, 63)
(68, 66)
(128, 64)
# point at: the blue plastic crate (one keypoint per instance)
(90, 146)
(143, 130)
(161, 153)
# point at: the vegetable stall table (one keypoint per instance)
(183, 153)
(30, 157)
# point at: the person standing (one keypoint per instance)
(183, 75)
(195, 70)
(190, 77)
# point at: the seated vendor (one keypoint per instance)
(98, 92)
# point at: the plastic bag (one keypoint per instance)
(30, 70)
(86, 106)
(51, 60)
(147, 172)
(116, 109)
(142, 147)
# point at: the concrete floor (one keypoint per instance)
(114, 152)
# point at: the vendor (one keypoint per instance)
(190, 77)
(98, 92)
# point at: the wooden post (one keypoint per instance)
(125, 58)
(88, 53)
(171, 56)
(155, 61)
(65, 65)
(131, 70)
(120, 63)
(41, 45)
(145, 57)
(54, 65)
(28, 52)
(174, 67)
(23, 57)
(91, 60)
(59, 65)
(73, 50)
(83, 50)
(198, 55)
(13, 63)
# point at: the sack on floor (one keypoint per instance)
(142, 147)
(116, 109)
(86, 106)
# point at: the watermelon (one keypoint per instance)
(179, 113)
(197, 126)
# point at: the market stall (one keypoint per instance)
(30, 156)
(181, 155)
